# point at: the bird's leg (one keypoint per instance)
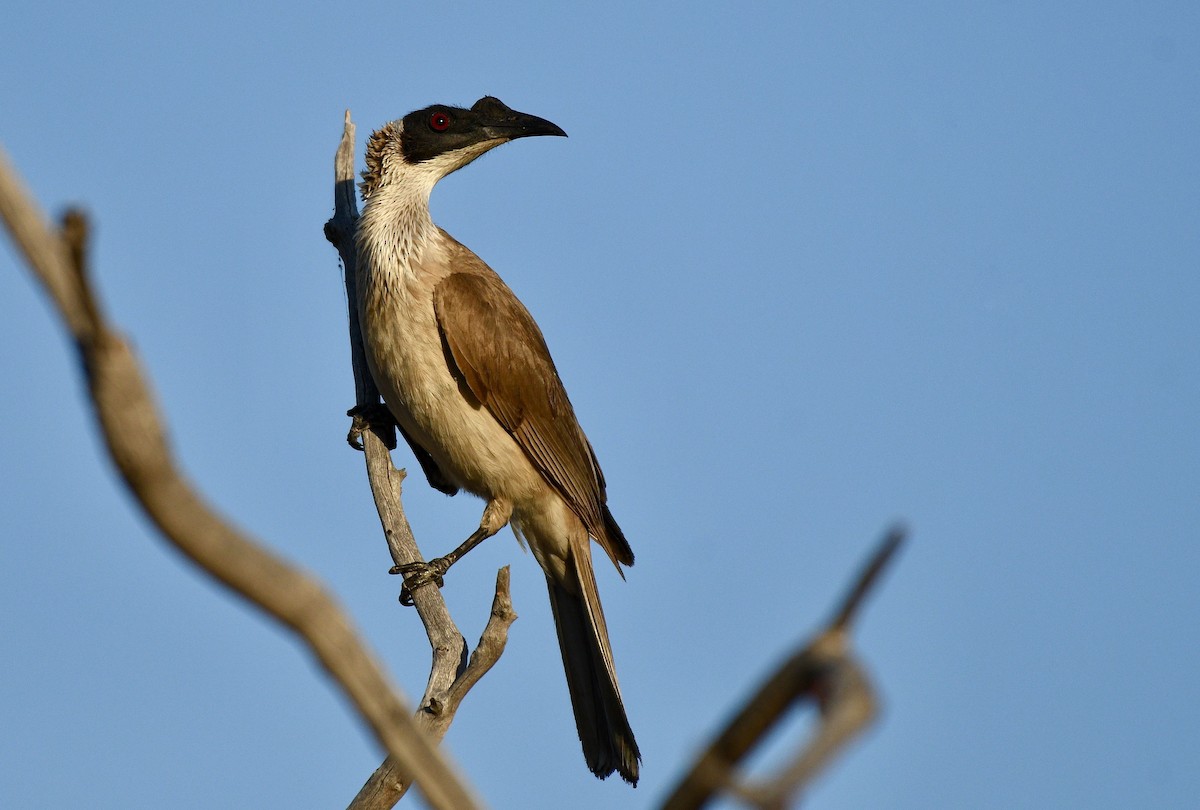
(422, 573)
(416, 574)
(367, 417)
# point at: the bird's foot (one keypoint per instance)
(368, 417)
(418, 574)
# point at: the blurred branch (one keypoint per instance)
(451, 676)
(824, 671)
(136, 438)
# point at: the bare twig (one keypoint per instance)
(824, 671)
(136, 439)
(450, 676)
(386, 785)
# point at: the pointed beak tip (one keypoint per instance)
(540, 126)
(522, 126)
(533, 125)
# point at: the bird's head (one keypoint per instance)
(441, 139)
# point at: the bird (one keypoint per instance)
(467, 377)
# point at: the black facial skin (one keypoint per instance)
(441, 128)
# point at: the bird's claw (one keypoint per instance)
(418, 574)
(366, 417)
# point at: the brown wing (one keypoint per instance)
(502, 357)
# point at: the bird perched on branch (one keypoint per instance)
(466, 374)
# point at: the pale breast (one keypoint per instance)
(407, 359)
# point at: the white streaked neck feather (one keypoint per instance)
(396, 229)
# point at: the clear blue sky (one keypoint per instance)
(805, 269)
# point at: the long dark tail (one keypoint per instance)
(608, 743)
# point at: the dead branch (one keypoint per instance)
(136, 438)
(451, 676)
(824, 671)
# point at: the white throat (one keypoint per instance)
(396, 228)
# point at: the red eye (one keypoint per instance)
(439, 122)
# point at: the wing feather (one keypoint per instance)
(500, 354)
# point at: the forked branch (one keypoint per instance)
(451, 675)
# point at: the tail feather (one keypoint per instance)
(608, 743)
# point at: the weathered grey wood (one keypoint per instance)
(450, 676)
